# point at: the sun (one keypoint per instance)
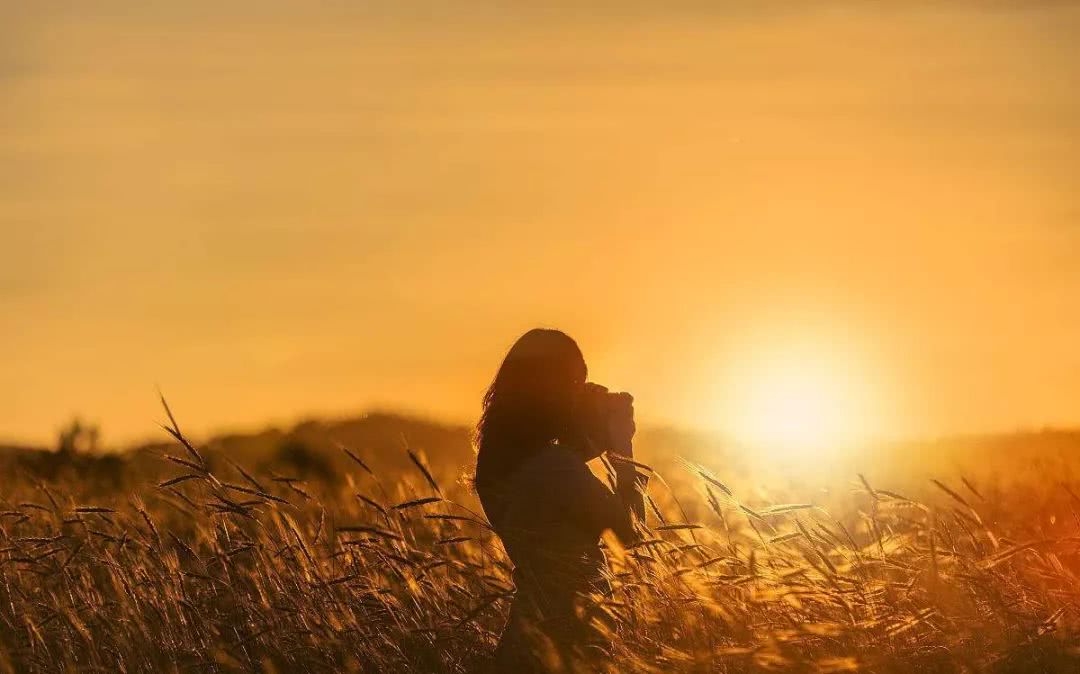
(795, 409)
(799, 401)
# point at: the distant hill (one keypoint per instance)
(315, 450)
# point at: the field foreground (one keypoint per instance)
(341, 560)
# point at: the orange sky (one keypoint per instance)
(274, 209)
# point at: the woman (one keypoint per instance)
(541, 423)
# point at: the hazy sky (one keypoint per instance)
(276, 209)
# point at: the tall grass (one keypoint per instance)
(222, 569)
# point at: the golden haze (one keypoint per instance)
(276, 210)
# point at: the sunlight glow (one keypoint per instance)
(799, 401)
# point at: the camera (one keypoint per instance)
(597, 408)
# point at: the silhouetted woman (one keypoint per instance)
(541, 422)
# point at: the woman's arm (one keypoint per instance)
(629, 483)
(589, 501)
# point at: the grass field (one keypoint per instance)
(231, 557)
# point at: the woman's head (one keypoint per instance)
(530, 402)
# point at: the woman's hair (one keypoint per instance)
(529, 403)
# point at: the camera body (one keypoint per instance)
(598, 411)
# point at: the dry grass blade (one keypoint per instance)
(180, 478)
(783, 538)
(356, 459)
(950, 492)
(374, 531)
(174, 430)
(452, 540)
(716, 483)
(866, 483)
(751, 513)
(255, 492)
(424, 470)
(185, 463)
(247, 476)
(373, 503)
(625, 460)
(417, 502)
(971, 488)
(785, 508)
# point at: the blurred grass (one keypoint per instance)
(328, 548)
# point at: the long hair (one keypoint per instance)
(529, 403)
